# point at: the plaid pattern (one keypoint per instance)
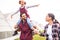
(55, 31)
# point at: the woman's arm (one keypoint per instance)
(33, 6)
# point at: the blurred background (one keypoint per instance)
(37, 14)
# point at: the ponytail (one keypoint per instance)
(53, 18)
(55, 21)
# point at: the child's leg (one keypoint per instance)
(15, 32)
(16, 26)
(19, 21)
(29, 23)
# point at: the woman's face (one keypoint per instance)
(48, 18)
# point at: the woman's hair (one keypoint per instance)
(55, 21)
(20, 2)
(53, 17)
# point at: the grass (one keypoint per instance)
(36, 37)
(17, 39)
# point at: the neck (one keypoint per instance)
(23, 20)
(50, 22)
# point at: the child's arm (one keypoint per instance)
(14, 13)
(33, 6)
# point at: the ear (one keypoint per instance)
(50, 18)
(19, 2)
(25, 3)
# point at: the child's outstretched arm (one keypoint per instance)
(33, 6)
(14, 13)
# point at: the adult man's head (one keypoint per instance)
(23, 16)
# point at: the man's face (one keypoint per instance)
(23, 16)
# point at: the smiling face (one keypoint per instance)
(23, 16)
(22, 3)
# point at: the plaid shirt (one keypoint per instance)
(55, 31)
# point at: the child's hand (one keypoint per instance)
(11, 16)
(37, 5)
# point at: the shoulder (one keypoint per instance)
(56, 25)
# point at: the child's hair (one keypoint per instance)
(20, 2)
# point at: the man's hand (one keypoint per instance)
(36, 31)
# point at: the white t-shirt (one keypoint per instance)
(49, 31)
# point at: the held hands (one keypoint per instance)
(36, 31)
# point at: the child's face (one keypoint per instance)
(22, 2)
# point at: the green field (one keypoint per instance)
(36, 37)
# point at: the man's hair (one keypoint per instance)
(21, 14)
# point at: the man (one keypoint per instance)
(26, 31)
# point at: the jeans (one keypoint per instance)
(28, 21)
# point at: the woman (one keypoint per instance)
(52, 28)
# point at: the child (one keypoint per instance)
(22, 9)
